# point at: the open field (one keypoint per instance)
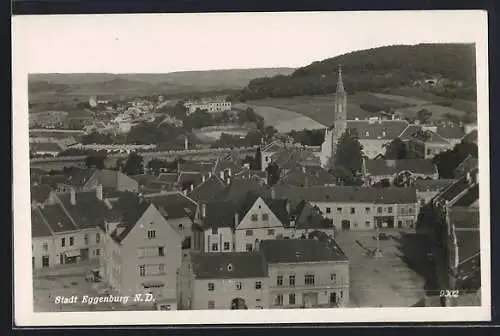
(402, 277)
(360, 105)
(282, 119)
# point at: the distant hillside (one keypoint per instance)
(103, 84)
(377, 69)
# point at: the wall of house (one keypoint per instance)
(225, 290)
(254, 227)
(425, 196)
(361, 219)
(79, 246)
(219, 236)
(265, 159)
(125, 183)
(43, 247)
(324, 282)
(137, 239)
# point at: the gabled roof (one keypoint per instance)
(230, 265)
(346, 194)
(189, 177)
(408, 132)
(78, 177)
(173, 205)
(221, 165)
(39, 193)
(454, 189)
(450, 132)
(88, 211)
(196, 167)
(39, 226)
(168, 177)
(206, 190)
(376, 167)
(56, 218)
(468, 164)
(468, 242)
(219, 214)
(289, 158)
(433, 185)
(301, 250)
(129, 214)
(237, 189)
(428, 137)
(273, 147)
(378, 129)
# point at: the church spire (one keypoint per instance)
(340, 82)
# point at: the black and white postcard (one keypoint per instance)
(304, 167)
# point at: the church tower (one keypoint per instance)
(335, 131)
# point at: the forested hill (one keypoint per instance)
(377, 69)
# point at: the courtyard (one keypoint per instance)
(68, 281)
(402, 277)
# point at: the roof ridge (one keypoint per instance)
(44, 220)
(67, 213)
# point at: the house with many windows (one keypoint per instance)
(65, 228)
(142, 251)
(359, 208)
(281, 274)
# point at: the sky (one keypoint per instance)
(159, 43)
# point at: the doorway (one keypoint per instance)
(45, 261)
(333, 298)
(346, 225)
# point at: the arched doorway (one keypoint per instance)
(238, 303)
(256, 247)
(346, 225)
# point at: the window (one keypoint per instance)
(367, 223)
(151, 234)
(410, 210)
(227, 246)
(291, 280)
(309, 279)
(71, 241)
(214, 231)
(63, 242)
(249, 232)
(254, 218)
(333, 277)
(239, 285)
(97, 237)
(367, 210)
(291, 298)
(86, 239)
(258, 285)
(161, 268)
(279, 280)
(339, 210)
(181, 227)
(215, 247)
(279, 300)
(142, 270)
(389, 209)
(403, 211)
(97, 252)
(379, 210)
(249, 247)
(400, 224)
(328, 210)
(429, 151)
(353, 210)
(211, 304)
(265, 217)
(270, 232)
(211, 287)
(45, 246)
(161, 251)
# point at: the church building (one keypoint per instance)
(335, 131)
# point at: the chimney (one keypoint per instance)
(222, 175)
(72, 196)
(236, 219)
(191, 187)
(98, 192)
(203, 179)
(273, 193)
(228, 180)
(304, 169)
(229, 172)
(186, 143)
(209, 174)
(288, 210)
(203, 210)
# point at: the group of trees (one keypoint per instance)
(449, 160)
(308, 137)
(375, 69)
(347, 162)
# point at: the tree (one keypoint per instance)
(404, 179)
(396, 150)
(155, 165)
(257, 160)
(273, 173)
(449, 160)
(348, 159)
(384, 183)
(269, 132)
(134, 164)
(96, 160)
(198, 119)
(424, 116)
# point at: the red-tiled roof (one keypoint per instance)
(88, 211)
(464, 217)
(229, 265)
(433, 185)
(471, 137)
(39, 228)
(206, 190)
(451, 132)
(173, 205)
(301, 250)
(39, 193)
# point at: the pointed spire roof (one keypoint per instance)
(340, 82)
